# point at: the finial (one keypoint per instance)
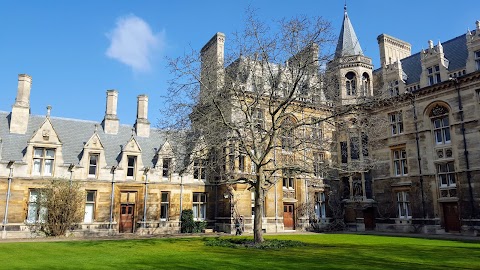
(96, 128)
(430, 44)
(49, 109)
(133, 131)
(477, 23)
(345, 7)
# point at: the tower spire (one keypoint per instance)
(348, 43)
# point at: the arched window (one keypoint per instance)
(365, 84)
(287, 135)
(440, 124)
(351, 83)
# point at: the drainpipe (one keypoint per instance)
(181, 194)
(275, 181)
(419, 158)
(5, 218)
(145, 195)
(112, 170)
(71, 167)
(465, 149)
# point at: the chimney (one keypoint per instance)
(111, 122)
(142, 126)
(21, 108)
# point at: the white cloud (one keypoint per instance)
(133, 43)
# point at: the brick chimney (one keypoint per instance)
(142, 125)
(21, 108)
(110, 122)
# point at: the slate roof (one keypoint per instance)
(73, 134)
(348, 43)
(455, 51)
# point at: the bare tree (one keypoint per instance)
(62, 200)
(265, 109)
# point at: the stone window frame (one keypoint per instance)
(433, 75)
(446, 171)
(199, 206)
(396, 123)
(351, 83)
(92, 202)
(164, 205)
(131, 168)
(404, 208)
(399, 161)
(476, 56)
(96, 165)
(42, 159)
(320, 205)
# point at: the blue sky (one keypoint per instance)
(75, 51)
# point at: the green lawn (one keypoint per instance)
(329, 251)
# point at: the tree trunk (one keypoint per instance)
(259, 201)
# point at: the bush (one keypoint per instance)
(187, 223)
(190, 226)
(63, 201)
(200, 226)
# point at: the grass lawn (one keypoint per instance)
(323, 251)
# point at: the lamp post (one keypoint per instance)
(229, 195)
(5, 217)
(145, 195)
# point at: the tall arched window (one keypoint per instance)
(365, 84)
(287, 135)
(351, 83)
(440, 124)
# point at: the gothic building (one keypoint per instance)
(418, 171)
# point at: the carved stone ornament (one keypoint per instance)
(438, 110)
(46, 134)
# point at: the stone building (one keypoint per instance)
(425, 176)
(419, 172)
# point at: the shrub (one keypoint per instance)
(63, 201)
(249, 243)
(187, 223)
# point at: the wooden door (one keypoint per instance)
(451, 217)
(126, 218)
(288, 217)
(369, 218)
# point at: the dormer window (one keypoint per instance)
(43, 161)
(166, 167)
(433, 75)
(199, 170)
(477, 59)
(131, 164)
(93, 165)
(351, 84)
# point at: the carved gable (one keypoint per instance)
(165, 150)
(94, 143)
(132, 146)
(46, 134)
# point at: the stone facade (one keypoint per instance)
(423, 172)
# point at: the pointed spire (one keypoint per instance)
(440, 47)
(348, 43)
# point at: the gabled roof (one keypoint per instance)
(74, 134)
(455, 51)
(348, 43)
